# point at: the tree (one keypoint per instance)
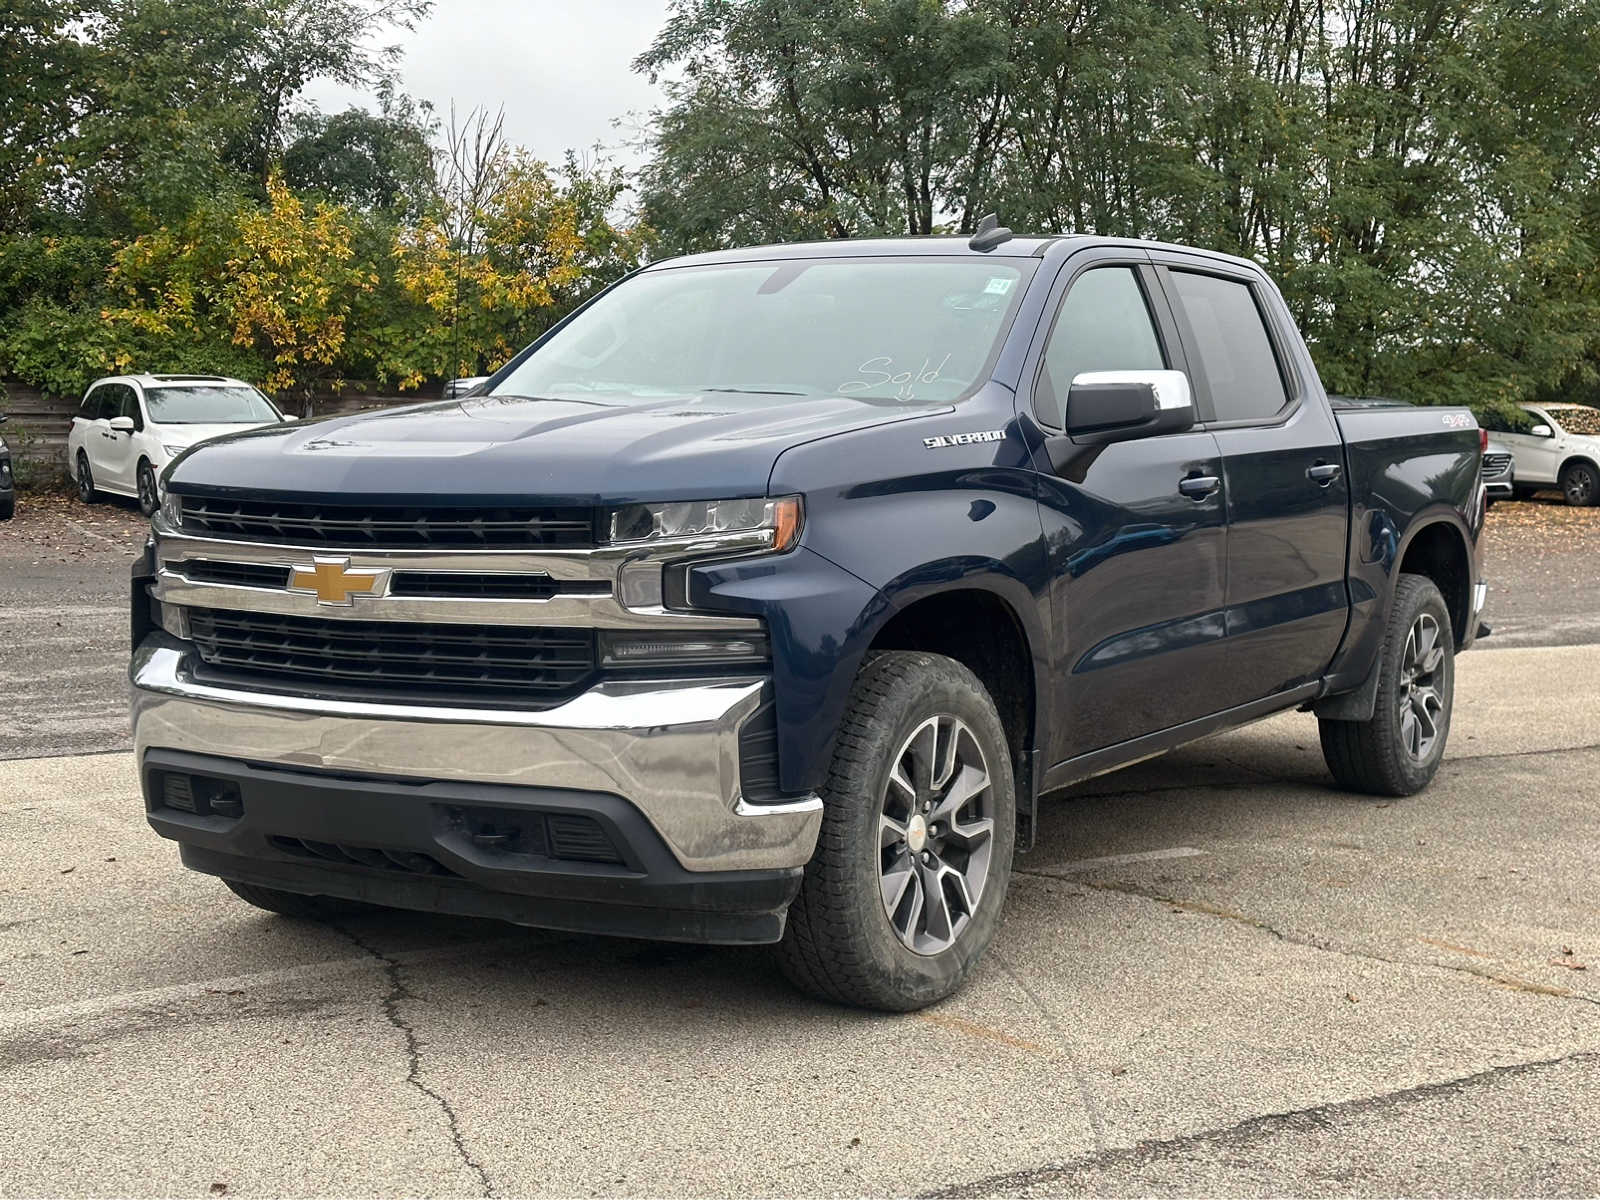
(365, 160)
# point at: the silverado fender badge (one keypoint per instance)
(964, 439)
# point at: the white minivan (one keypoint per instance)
(129, 427)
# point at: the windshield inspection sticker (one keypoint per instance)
(964, 439)
(999, 285)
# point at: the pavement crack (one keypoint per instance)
(399, 992)
(1242, 1133)
(1080, 1077)
(1483, 974)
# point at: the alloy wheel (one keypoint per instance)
(148, 499)
(936, 834)
(1582, 485)
(1421, 702)
(85, 480)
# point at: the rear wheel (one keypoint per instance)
(293, 904)
(87, 492)
(149, 496)
(904, 891)
(8, 506)
(1580, 484)
(1397, 752)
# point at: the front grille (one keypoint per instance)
(408, 861)
(233, 574)
(502, 662)
(1495, 464)
(391, 527)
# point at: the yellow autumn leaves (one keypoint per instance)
(310, 288)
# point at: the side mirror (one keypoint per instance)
(1119, 406)
(3, 418)
(1542, 430)
(121, 424)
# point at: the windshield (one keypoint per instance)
(884, 330)
(208, 405)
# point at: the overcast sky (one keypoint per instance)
(559, 67)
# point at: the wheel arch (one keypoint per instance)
(978, 623)
(1440, 549)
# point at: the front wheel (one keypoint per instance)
(1397, 752)
(904, 891)
(149, 495)
(1580, 484)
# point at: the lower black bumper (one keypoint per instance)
(577, 861)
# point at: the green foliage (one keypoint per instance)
(1420, 175)
(170, 203)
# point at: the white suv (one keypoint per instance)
(1561, 449)
(129, 427)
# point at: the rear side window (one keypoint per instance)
(1582, 421)
(1233, 347)
(1104, 325)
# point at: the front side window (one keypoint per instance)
(1104, 325)
(1232, 344)
(209, 404)
(879, 330)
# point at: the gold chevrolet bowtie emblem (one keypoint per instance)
(333, 582)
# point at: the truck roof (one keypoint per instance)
(1019, 246)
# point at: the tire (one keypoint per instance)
(1390, 755)
(149, 495)
(87, 492)
(293, 904)
(1580, 483)
(842, 943)
(8, 507)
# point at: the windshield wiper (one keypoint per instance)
(753, 391)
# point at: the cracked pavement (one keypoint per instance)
(1216, 976)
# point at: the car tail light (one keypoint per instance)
(1483, 441)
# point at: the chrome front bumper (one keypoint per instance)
(669, 748)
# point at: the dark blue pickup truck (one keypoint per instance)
(761, 599)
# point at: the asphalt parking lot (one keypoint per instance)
(1217, 975)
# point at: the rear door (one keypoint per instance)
(1137, 565)
(1288, 501)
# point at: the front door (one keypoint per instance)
(1137, 563)
(1288, 495)
(1538, 458)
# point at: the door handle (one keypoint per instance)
(1198, 487)
(1322, 474)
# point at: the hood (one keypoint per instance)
(500, 449)
(189, 435)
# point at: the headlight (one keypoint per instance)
(171, 510)
(173, 451)
(642, 523)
